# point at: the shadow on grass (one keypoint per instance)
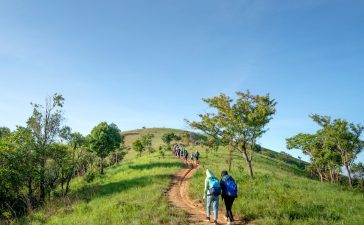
(91, 191)
(148, 166)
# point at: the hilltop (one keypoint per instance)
(132, 135)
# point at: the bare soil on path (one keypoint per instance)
(178, 196)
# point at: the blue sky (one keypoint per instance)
(149, 63)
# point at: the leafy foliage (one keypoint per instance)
(237, 123)
(167, 138)
(104, 139)
(332, 147)
(39, 161)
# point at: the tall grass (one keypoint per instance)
(132, 193)
(281, 194)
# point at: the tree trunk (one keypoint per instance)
(320, 175)
(332, 176)
(349, 175)
(68, 184)
(42, 193)
(102, 166)
(230, 158)
(251, 174)
(30, 194)
(249, 163)
(62, 184)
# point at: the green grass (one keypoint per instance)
(281, 194)
(131, 193)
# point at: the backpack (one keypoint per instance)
(231, 187)
(215, 188)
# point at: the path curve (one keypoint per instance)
(178, 196)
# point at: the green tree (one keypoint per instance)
(358, 172)
(237, 123)
(167, 138)
(119, 154)
(186, 138)
(138, 147)
(104, 139)
(76, 149)
(346, 137)
(146, 140)
(4, 131)
(336, 144)
(16, 171)
(45, 124)
(311, 145)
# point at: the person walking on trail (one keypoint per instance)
(197, 155)
(185, 155)
(179, 152)
(211, 194)
(229, 191)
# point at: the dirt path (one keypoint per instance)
(178, 196)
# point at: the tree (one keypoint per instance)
(146, 140)
(346, 137)
(138, 147)
(358, 172)
(311, 145)
(237, 123)
(76, 148)
(167, 138)
(336, 144)
(4, 131)
(104, 139)
(185, 138)
(16, 171)
(45, 124)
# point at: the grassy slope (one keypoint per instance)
(131, 193)
(281, 194)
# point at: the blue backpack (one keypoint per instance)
(215, 188)
(231, 187)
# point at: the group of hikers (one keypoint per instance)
(182, 153)
(226, 187)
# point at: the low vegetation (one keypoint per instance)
(130, 193)
(281, 193)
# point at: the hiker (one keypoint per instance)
(179, 152)
(197, 155)
(185, 155)
(211, 194)
(229, 191)
(192, 156)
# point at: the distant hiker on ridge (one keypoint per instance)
(185, 155)
(211, 194)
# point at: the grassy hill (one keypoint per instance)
(281, 193)
(133, 192)
(132, 135)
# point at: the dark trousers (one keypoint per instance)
(229, 204)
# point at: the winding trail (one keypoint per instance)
(178, 196)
